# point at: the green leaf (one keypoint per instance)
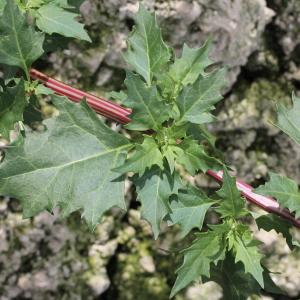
(232, 204)
(189, 209)
(247, 252)
(118, 96)
(285, 191)
(209, 247)
(270, 221)
(20, 45)
(32, 112)
(193, 157)
(2, 6)
(145, 156)
(196, 100)
(51, 19)
(154, 189)
(191, 64)
(168, 138)
(12, 104)
(288, 119)
(34, 3)
(43, 90)
(69, 165)
(149, 110)
(147, 52)
(236, 284)
(200, 132)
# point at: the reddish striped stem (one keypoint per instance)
(120, 114)
(100, 105)
(266, 203)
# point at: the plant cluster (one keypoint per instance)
(79, 163)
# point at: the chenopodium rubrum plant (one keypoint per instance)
(79, 163)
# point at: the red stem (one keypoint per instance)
(266, 203)
(120, 114)
(100, 105)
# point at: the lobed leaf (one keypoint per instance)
(145, 156)
(197, 100)
(149, 110)
(20, 44)
(247, 252)
(288, 119)
(153, 191)
(232, 204)
(191, 64)
(194, 158)
(285, 191)
(146, 52)
(12, 104)
(272, 222)
(209, 247)
(52, 18)
(237, 284)
(69, 165)
(189, 209)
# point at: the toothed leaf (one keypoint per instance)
(12, 104)
(69, 165)
(189, 209)
(147, 52)
(191, 64)
(149, 111)
(232, 204)
(20, 44)
(52, 18)
(145, 156)
(288, 119)
(285, 191)
(197, 100)
(154, 189)
(209, 247)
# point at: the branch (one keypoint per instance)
(120, 114)
(100, 105)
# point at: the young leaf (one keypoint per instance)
(154, 189)
(149, 110)
(51, 18)
(196, 100)
(69, 165)
(20, 45)
(189, 209)
(193, 157)
(147, 52)
(288, 119)
(232, 204)
(209, 247)
(270, 221)
(12, 104)
(247, 252)
(285, 190)
(145, 156)
(191, 64)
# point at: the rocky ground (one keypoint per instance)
(259, 41)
